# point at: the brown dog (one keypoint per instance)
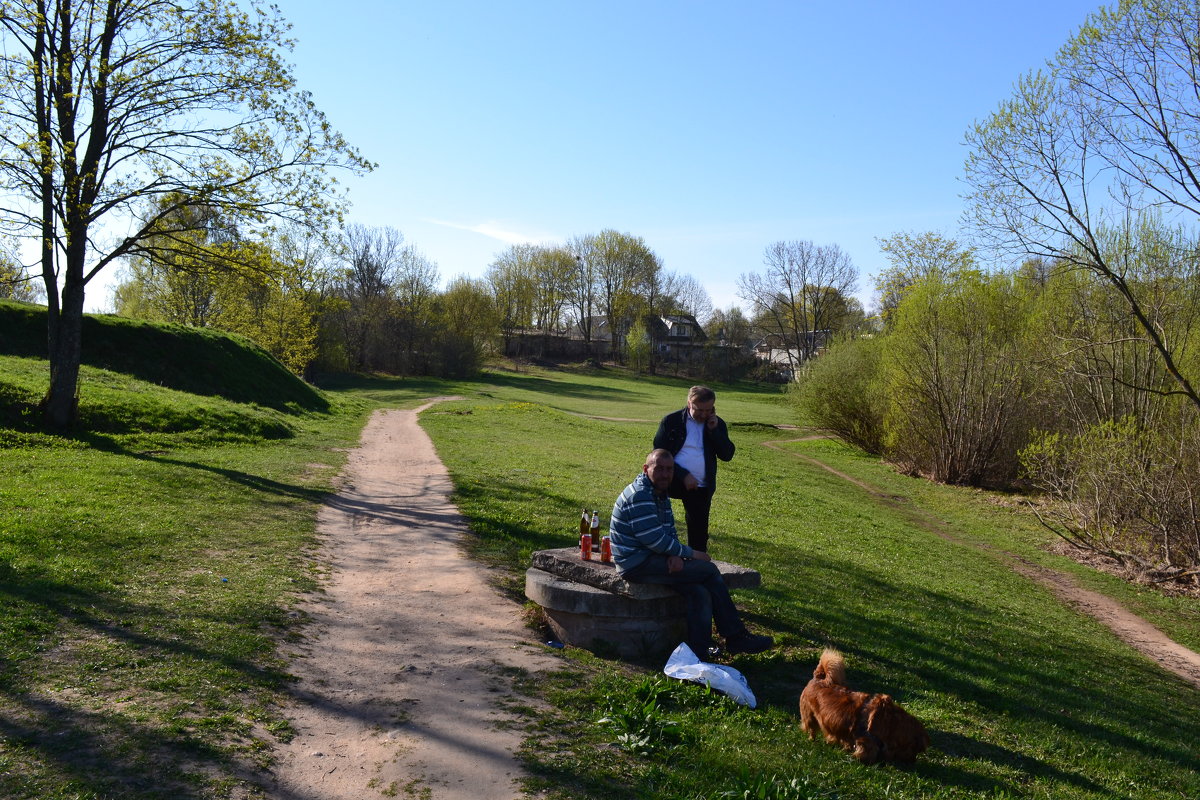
(871, 726)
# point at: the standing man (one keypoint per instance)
(696, 437)
(646, 549)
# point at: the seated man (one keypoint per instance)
(646, 549)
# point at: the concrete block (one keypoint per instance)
(567, 562)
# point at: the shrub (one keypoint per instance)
(956, 385)
(840, 392)
(1126, 491)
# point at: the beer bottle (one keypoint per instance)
(595, 530)
(584, 525)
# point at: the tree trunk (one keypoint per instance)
(65, 345)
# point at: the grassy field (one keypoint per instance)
(148, 569)
(1023, 696)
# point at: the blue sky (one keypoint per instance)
(709, 129)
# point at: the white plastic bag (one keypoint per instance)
(684, 665)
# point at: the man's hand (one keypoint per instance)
(690, 482)
(711, 422)
(674, 564)
(700, 555)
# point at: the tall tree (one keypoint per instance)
(581, 290)
(692, 298)
(511, 277)
(105, 105)
(414, 310)
(914, 256)
(798, 295)
(730, 327)
(181, 274)
(1106, 133)
(371, 264)
(467, 324)
(954, 379)
(624, 266)
(554, 267)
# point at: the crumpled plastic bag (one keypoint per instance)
(686, 666)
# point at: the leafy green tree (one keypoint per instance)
(466, 327)
(553, 268)
(639, 347)
(107, 105)
(731, 326)
(621, 267)
(188, 260)
(512, 277)
(1117, 443)
(913, 256)
(15, 282)
(1105, 134)
(263, 291)
(1103, 365)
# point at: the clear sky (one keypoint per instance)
(709, 129)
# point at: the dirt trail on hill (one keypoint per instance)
(1128, 627)
(410, 650)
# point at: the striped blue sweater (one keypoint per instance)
(643, 523)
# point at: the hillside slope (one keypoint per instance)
(194, 360)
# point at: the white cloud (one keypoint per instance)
(493, 230)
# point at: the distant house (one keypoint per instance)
(677, 331)
(673, 334)
(774, 349)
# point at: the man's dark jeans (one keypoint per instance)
(696, 506)
(703, 590)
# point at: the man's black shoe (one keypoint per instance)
(747, 642)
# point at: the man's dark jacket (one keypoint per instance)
(672, 433)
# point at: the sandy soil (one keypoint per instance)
(402, 670)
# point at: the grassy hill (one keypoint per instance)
(194, 360)
(146, 381)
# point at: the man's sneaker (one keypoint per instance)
(747, 642)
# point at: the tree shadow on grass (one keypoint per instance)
(255, 483)
(66, 737)
(928, 647)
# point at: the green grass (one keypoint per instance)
(149, 565)
(149, 569)
(195, 360)
(1024, 697)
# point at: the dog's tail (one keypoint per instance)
(832, 667)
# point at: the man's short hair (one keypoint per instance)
(701, 394)
(658, 454)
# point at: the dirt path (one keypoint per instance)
(406, 658)
(1130, 628)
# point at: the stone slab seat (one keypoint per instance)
(588, 605)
